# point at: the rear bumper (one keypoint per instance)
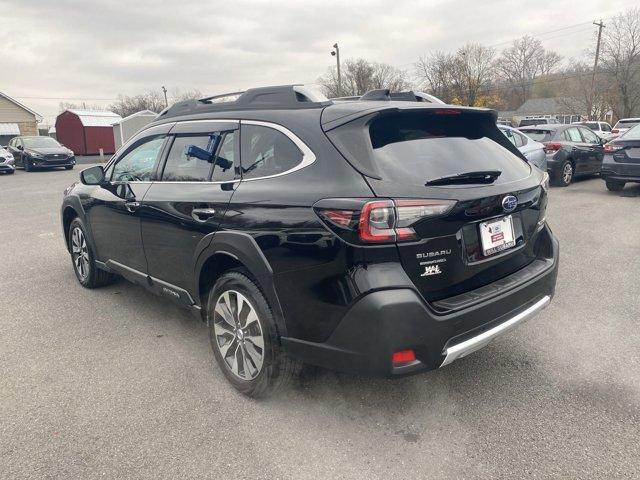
(387, 321)
(624, 172)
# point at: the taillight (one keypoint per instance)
(612, 147)
(550, 147)
(615, 130)
(380, 221)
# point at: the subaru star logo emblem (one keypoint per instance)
(509, 203)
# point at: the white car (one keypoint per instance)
(602, 129)
(6, 161)
(532, 150)
(624, 124)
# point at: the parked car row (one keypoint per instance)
(32, 152)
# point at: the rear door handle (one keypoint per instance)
(202, 214)
(132, 206)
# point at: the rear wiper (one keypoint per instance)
(481, 176)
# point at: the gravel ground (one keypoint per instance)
(118, 383)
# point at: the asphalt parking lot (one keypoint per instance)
(116, 382)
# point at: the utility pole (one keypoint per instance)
(600, 26)
(166, 102)
(336, 53)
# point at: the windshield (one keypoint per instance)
(591, 125)
(539, 135)
(40, 142)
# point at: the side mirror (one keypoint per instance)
(93, 175)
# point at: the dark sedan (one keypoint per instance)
(621, 162)
(572, 151)
(36, 152)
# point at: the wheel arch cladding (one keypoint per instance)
(68, 214)
(230, 250)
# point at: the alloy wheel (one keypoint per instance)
(80, 252)
(567, 173)
(238, 334)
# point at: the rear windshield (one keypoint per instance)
(627, 123)
(591, 125)
(415, 147)
(632, 134)
(532, 121)
(539, 135)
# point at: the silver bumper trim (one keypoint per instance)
(475, 343)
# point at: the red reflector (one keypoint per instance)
(447, 111)
(339, 217)
(403, 356)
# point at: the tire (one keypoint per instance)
(83, 260)
(614, 185)
(10, 172)
(27, 165)
(244, 303)
(68, 167)
(564, 175)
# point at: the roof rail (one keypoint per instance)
(385, 94)
(279, 97)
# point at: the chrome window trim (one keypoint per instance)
(308, 157)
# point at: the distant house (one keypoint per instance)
(16, 119)
(126, 128)
(563, 109)
(87, 131)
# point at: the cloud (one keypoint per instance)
(98, 49)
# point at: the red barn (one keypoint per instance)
(86, 131)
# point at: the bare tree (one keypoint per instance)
(620, 61)
(523, 61)
(79, 106)
(435, 72)
(179, 95)
(359, 76)
(126, 105)
(474, 70)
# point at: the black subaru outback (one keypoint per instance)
(382, 235)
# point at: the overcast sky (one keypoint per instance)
(92, 50)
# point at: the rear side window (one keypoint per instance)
(417, 147)
(266, 151)
(539, 135)
(180, 167)
(589, 136)
(572, 135)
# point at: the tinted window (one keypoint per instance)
(180, 167)
(539, 135)
(139, 163)
(533, 121)
(591, 125)
(413, 148)
(266, 151)
(224, 168)
(589, 136)
(605, 127)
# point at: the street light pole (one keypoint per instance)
(336, 53)
(600, 26)
(166, 102)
